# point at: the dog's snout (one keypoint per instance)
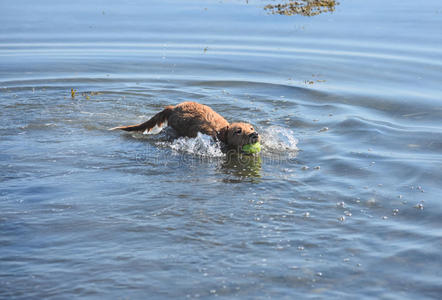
(254, 135)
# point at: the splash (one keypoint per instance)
(201, 145)
(279, 139)
(274, 139)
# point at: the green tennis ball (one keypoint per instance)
(251, 148)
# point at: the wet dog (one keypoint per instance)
(189, 118)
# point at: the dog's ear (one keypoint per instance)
(222, 134)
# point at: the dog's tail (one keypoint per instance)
(158, 120)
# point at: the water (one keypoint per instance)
(343, 202)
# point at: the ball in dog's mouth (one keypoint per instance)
(251, 148)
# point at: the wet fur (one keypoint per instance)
(189, 118)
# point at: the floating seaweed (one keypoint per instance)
(73, 92)
(302, 7)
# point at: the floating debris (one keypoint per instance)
(306, 215)
(302, 7)
(73, 92)
(341, 218)
(395, 211)
(317, 168)
(419, 206)
(304, 168)
(323, 129)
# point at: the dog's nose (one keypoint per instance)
(254, 135)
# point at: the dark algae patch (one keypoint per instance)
(303, 7)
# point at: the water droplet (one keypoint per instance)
(371, 201)
(340, 204)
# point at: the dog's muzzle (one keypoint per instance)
(254, 137)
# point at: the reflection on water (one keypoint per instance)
(302, 7)
(242, 166)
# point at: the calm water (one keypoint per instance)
(344, 202)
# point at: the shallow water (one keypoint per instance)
(343, 202)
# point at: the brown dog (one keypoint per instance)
(189, 118)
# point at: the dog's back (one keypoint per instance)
(189, 118)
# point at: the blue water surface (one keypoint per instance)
(344, 201)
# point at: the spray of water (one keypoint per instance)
(274, 140)
(278, 139)
(202, 145)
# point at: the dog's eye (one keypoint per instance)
(251, 128)
(238, 131)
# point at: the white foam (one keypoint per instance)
(202, 145)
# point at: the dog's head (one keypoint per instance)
(240, 134)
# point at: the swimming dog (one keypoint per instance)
(189, 118)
